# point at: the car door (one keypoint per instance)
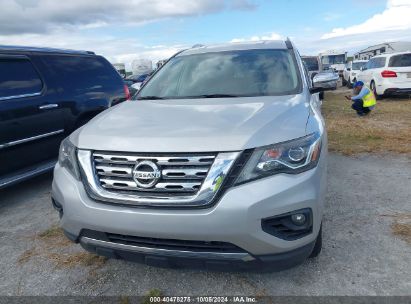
(31, 123)
(366, 74)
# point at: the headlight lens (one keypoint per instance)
(290, 157)
(68, 157)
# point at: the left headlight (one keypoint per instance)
(290, 157)
(68, 157)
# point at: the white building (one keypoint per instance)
(387, 47)
(141, 66)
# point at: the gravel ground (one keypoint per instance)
(361, 255)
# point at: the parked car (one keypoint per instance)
(388, 74)
(351, 71)
(137, 80)
(45, 94)
(220, 162)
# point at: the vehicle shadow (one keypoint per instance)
(17, 194)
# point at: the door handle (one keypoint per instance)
(48, 106)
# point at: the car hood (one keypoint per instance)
(195, 125)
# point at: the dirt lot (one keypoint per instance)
(367, 246)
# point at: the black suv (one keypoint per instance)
(45, 94)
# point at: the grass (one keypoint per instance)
(402, 230)
(386, 129)
(53, 245)
(401, 226)
(51, 232)
(151, 293)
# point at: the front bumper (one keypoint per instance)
(235, 219)
(229, 261)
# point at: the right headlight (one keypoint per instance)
(289, 157)
(68, 157)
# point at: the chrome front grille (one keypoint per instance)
(186, 180)
(182, 174)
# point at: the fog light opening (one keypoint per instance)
(289, 226)
(298, 219)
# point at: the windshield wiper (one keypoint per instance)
(188, 97)
(214, 96)
(149, 98)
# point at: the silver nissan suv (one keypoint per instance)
(219, 162)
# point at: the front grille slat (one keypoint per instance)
(106, 170)
(182, 174)
(177, 173)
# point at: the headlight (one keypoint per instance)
(289, 157)
(68, 157)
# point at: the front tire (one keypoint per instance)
(349, 83)
(318, 244)
(374, 89)
(344, 82)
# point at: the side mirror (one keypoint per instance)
(324, 82)
(348, 69)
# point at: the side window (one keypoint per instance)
(306, 72)
(369, 64)
(379, 62)
(82, 74)
(18, 77)
(307, 75)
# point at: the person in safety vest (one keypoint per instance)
(364, 100)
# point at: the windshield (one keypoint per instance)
(333, 59)
(225, 74)
(358, 65)
(311, 63)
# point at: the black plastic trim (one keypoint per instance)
(281, 226)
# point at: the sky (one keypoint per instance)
(124, 30)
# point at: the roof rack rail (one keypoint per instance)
(288, 44)
(197, 45)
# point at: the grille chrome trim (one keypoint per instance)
(161, 160)
(131, 185)
(204, 175)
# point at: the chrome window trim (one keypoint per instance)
(221, 166)
(28, 139)
(20, 96)
(239, 256)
